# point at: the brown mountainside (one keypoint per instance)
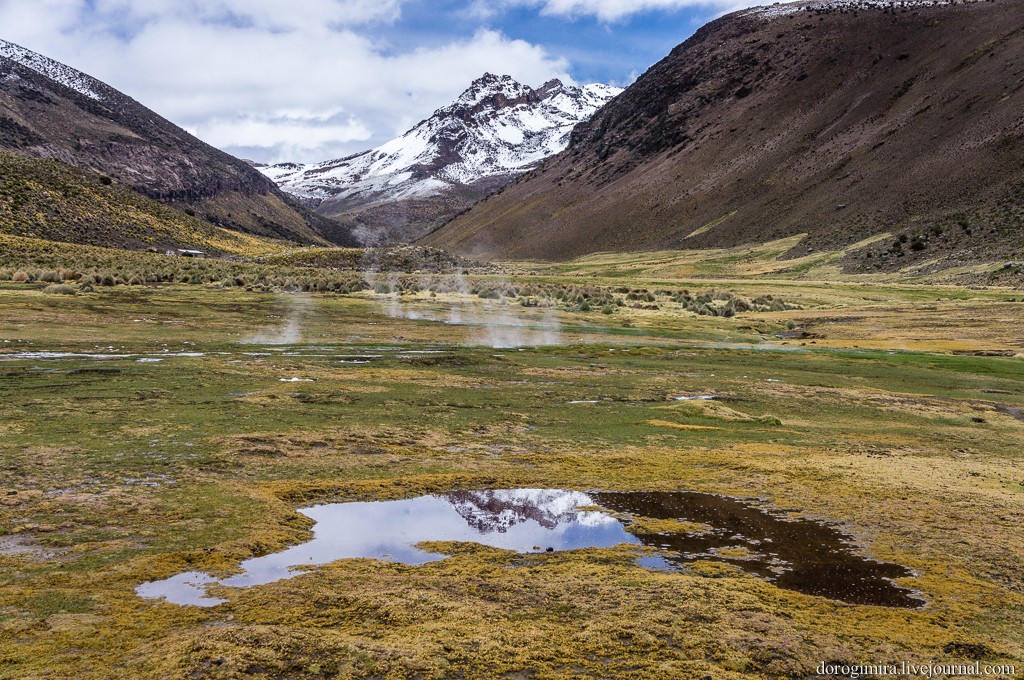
(837, 121)
(51, 111)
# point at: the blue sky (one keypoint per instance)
(311, 80)
(597, 50)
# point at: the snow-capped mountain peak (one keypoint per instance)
(497, 128)
(490, 88)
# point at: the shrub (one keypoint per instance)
(59, 289)
(20, 277)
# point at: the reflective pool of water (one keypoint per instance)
(798, 554)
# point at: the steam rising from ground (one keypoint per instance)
(495, 312)
(499, 324)
(506, 329)
(298, 306)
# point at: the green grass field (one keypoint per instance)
(886, 407)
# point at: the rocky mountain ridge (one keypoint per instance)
(495, 130)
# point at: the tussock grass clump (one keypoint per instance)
(60, 289)
(407, 259)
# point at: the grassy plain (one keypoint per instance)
(889, 407)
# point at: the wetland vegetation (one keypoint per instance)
(183, 424)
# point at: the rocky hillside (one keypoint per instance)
(51, 111)
(841, 120)
(497, 129)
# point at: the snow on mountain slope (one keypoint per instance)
(54, 70)
(777, 10)
(497, 127)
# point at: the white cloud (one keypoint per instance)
(610, 10)
(267, 14)
(269, 79)
(287, 136)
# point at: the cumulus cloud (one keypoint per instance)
(610, 10)
(270, 14)
(310, 80)
(305, 80)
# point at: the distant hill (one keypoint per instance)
(47, 199)
(839, 119)
(51, 111)
(497, 129)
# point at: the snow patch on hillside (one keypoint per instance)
(54, 70)
(783, 9)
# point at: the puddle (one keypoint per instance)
(357, 355)
(187, 588)
(1012, 411)
(750, 347)
(98, 355)
(153, 481)
(801, 555)
(21, 545)
(697, 397)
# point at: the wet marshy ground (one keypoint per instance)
(798, 554)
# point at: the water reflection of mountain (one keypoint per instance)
(498, 511)
(803, 555)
